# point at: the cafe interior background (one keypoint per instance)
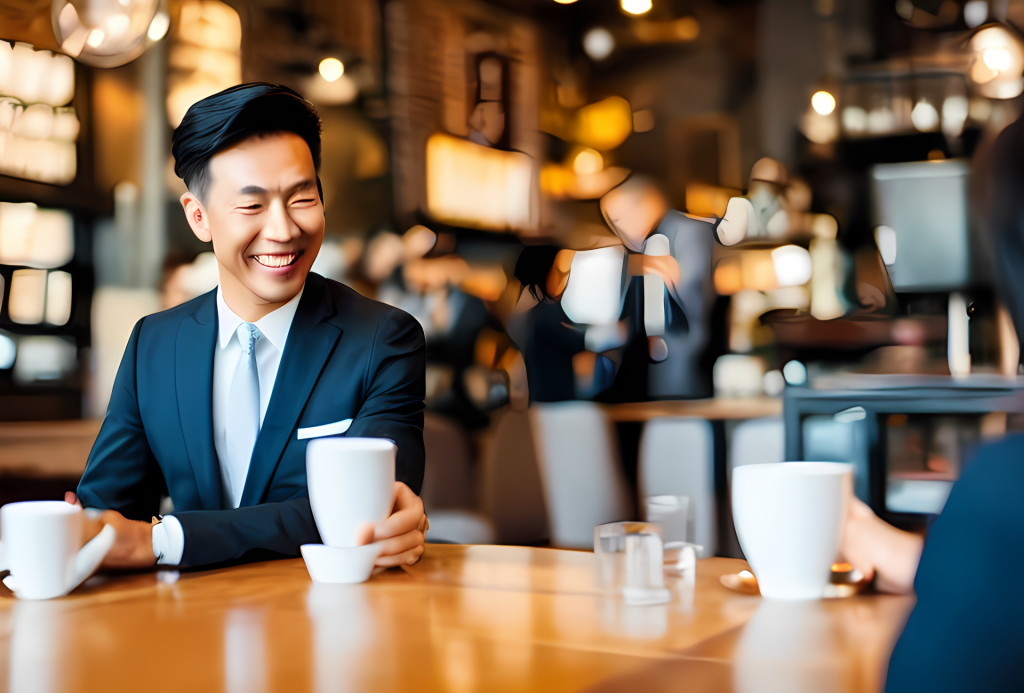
(478, 157)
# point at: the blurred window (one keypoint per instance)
(33, 237)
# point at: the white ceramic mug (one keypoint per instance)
(789, 518)
(43, 546)
(351, 481)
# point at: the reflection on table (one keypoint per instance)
(465, 618)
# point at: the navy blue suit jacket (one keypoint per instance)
(965, 631)
(346, 357)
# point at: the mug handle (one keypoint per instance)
(91, 555)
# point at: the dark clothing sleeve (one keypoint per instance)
(392, 408)
(122, 474)
(964, 633)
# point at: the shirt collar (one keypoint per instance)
(274, 325)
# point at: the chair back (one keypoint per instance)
(449, 481)
(757, 441)
(511, 494)
(677, 459)
(582, 479)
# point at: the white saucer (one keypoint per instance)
(339, 565)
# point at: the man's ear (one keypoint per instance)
(197, 218)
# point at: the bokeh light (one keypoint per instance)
(587, 162)
(823, 102)
(598, 43)
(636, 6)
(924, 116)
(331, 69)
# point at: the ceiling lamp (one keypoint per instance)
(997, 63)
(108, 34)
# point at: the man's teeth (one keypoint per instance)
(276, 260)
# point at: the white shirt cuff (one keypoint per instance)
(168, 541)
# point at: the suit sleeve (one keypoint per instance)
(392, 408)
(395, 391)
(122, 473)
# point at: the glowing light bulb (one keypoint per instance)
(331, 69)
(636, 6)
(997, 58)
(588, 162)
(565, 2)
(823, 102)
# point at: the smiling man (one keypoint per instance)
(211, 396)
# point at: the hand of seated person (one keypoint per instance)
(874, 547)
(133, 547)
(401, 534)
(664, 266)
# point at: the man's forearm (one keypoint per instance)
(215, 536)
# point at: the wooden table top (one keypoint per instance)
(465, 618)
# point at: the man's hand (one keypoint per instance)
(402, 534)
(133, 547)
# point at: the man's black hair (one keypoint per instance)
(237, 113)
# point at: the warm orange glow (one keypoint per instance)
(556, 180)
(729, 276)
(476, 186)
(841, 567)
(486, 282)
(708, 200)
(587, 163)
(603, 125)
(684, 29)
(687, 28)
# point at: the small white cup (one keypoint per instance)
(789, 519)
(43, 546)
(351, 482)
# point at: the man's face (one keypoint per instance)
(264, 216)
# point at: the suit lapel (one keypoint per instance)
(193, 382)
(310, 342)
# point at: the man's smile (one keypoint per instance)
(278, 259)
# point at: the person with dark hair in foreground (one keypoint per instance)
(964, 633)
(210, 394)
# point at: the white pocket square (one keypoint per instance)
(331, 429)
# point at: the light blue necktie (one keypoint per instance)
(243, 420)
